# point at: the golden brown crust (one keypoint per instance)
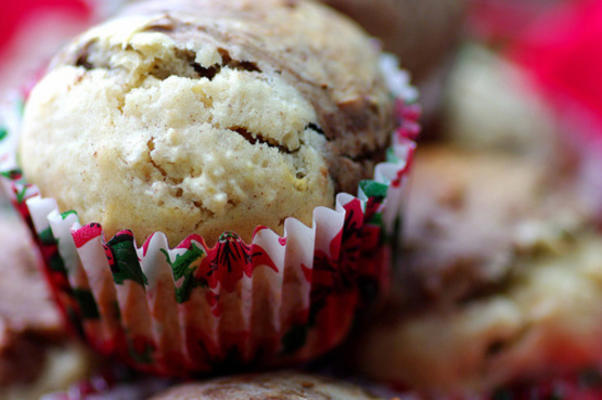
(271, 386)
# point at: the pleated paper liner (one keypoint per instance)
(277, 300)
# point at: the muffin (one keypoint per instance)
(282, 385)
(421, 33)
(515, 120)
(263, 117)
(279, 385)
(35, 356)
(424, 34)
(473, 214)
(221, 137)
(504, 260)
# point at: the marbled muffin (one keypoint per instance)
(208, 116)
(281, 385)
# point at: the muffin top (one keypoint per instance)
(280, 385)
(208, 116)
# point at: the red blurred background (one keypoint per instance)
(17, 13)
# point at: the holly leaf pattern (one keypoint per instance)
(12, 174)
(20, 193)
(123, 259)
(65, 214)
(374, 189)
(181, 268)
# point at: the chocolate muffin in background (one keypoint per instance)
(35, 354)
(424, 34)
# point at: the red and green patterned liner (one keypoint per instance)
(277, 300)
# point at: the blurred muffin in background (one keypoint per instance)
(35, 356)
(424, 34)
(278, 385)
(420, 32)
(473, 214)
(281, 385)
(490, 105)
(502, 278)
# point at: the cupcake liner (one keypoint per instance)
(276, 300)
